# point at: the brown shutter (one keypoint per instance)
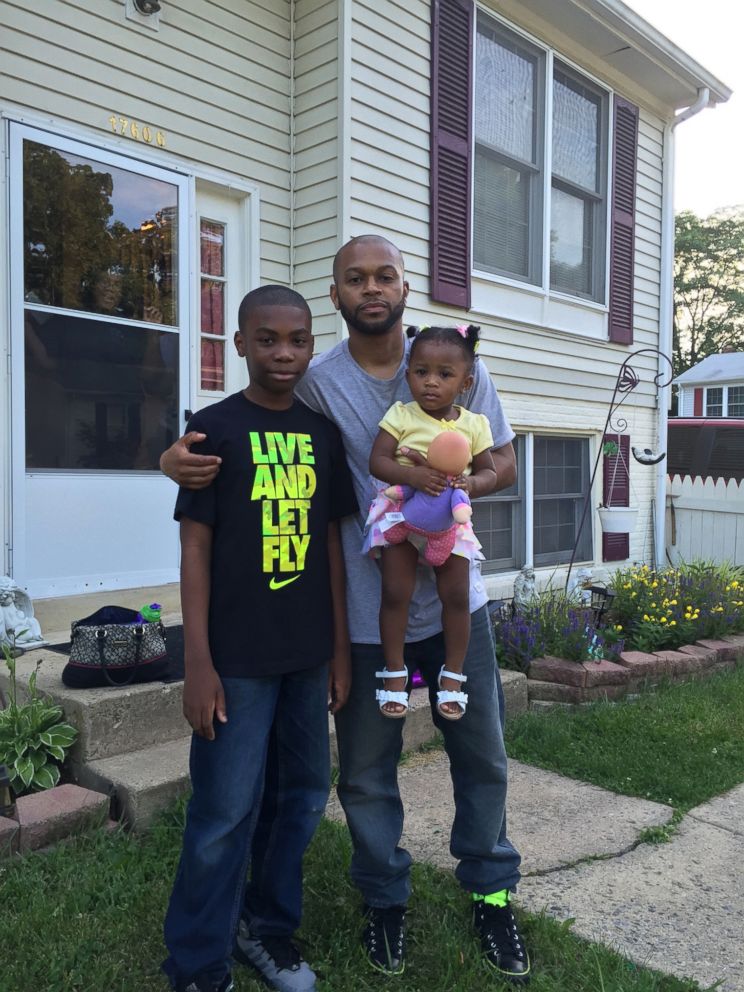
(697, 410)
(616, 492)
(622, 239)
(451, 82)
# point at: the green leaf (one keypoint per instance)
(46, 777)
(25, 771)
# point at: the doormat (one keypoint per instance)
(173, 644)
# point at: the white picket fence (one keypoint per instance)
(704, 519)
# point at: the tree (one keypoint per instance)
(708, 286)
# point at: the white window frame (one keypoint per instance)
(723, 403)
(538, 305)
(728, 400)
(525, 500)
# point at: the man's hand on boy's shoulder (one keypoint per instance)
(185, 467)
(339, 681)
(204, 700)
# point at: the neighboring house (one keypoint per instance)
(713, 388)
(157, 167)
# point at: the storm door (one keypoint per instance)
(100, 358)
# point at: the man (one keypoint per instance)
(353, 384)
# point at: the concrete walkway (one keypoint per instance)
(677, 907)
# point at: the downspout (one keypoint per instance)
(666, 312)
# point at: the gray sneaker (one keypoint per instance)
(276, 959)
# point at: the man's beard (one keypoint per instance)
(358, 323)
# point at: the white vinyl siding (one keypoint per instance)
(551, 381)
(316, 155)
(214, 79)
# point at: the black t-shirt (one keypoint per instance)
(283, 477)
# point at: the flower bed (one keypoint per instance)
(553, 680)
(671, 623)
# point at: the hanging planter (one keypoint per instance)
(618, 519)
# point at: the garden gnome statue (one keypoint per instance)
(18, 625)
(524, 587)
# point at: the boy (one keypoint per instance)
(262, 592)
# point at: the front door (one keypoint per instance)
(100, 360)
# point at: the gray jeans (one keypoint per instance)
(369, 748)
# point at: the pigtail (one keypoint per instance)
(472, 337)
(412, 331)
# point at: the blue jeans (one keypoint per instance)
(259, 790)
(369, 748)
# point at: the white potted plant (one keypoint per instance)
(616, 519)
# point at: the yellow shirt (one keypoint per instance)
(413, 428)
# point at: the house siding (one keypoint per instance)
(215, 79)
(548, 380)
(316, 160)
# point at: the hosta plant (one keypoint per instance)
(34, 737)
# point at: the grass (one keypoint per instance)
(87, 916)
(680, 745)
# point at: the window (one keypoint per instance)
(561, 475)
(735, 401)
(509, 185)
(212, 298)
(499, 522)
(521, 152)
(714, 402)
(556, 471)
(508, 124)
(578, 207)
(101, 318)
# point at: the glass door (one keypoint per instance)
(99, 299)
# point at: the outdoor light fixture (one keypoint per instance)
(147, 6)
(7, 805)
(600, 602)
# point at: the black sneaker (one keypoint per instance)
(201, 983)
(501, 942)
(384, 938)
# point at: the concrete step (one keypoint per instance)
(144, 781)
(141, 783)
(109, 721)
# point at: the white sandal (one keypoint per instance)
(449, 696)
(390, 696)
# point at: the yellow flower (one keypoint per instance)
(673, 602)
(618, 626)
(662, 619)
(654, 584)
(735, 584)
(672, 623)
(646, 617)
(653, 605)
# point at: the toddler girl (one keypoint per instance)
(426, 510)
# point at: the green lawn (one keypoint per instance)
(87, 916)
(681, 744)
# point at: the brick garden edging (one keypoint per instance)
(558, 681)
(46, 817)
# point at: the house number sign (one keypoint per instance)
(137, 131)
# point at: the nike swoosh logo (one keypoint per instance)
(274, 584)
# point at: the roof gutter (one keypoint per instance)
(666, 313)
(703, 101)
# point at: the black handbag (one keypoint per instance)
(115, 647)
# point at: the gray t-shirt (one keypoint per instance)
(338, 387)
